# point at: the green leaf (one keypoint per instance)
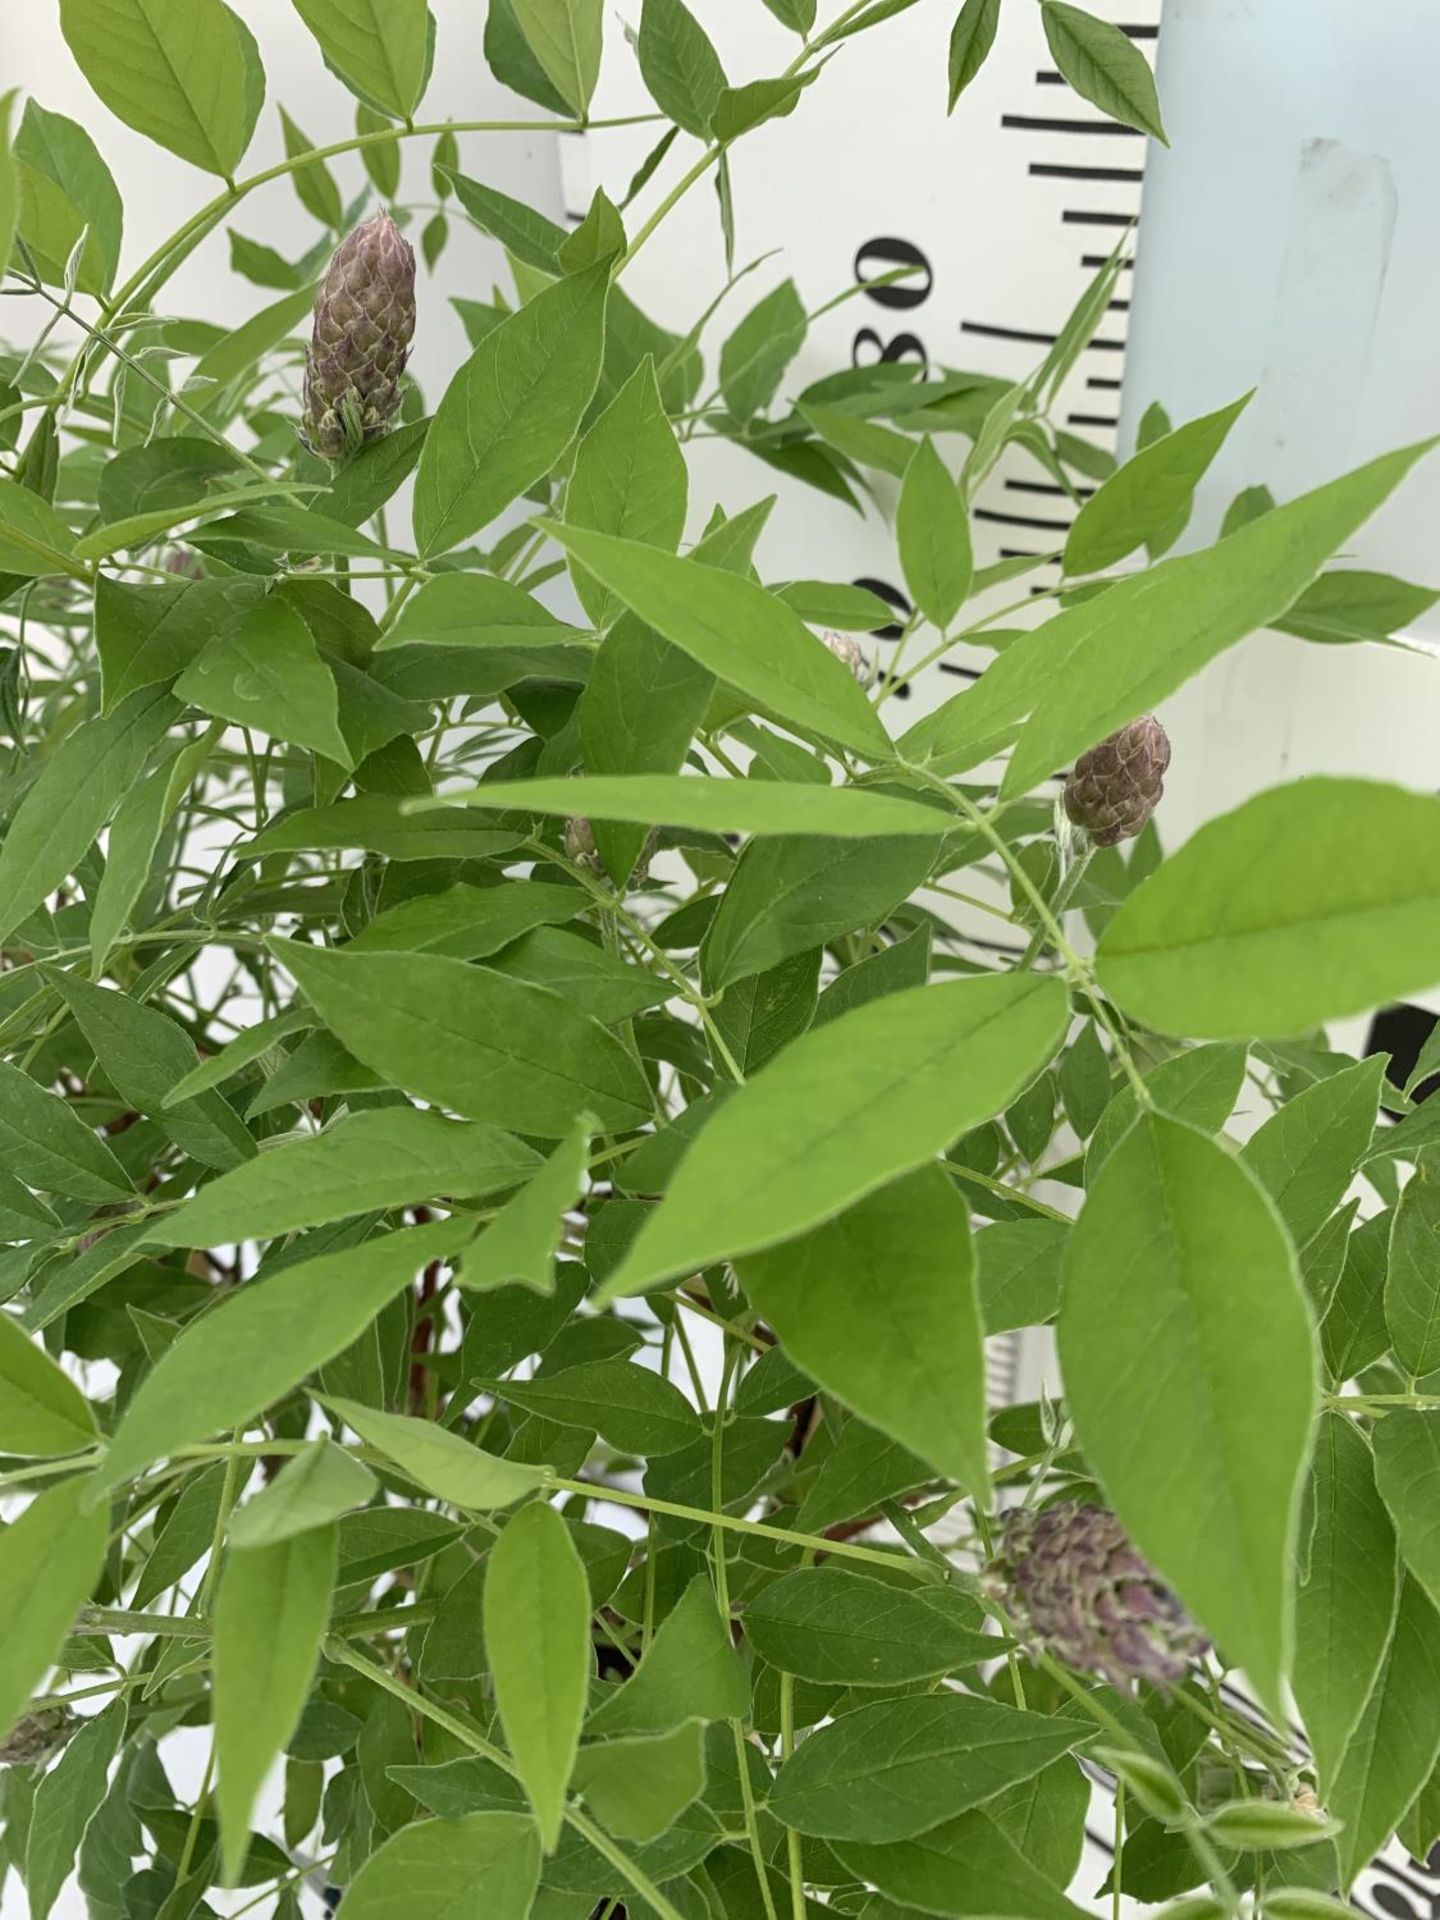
(1098, 664)
(237, 352)
(76, 791)
(511, 410)
(629, 479)
(1407, 1450)
(187, 1533)
(437, 1866)
(190, 78)
(394, 1157)
(842, 1110)
(376, 823)
(967, 1866)
(532, 237)
(1104, 66)
(764, 1012)
(744, 635)
(834, 1627)
(1309, 902)
(64, 190)
(1306, 1154)
(1020, 1273)
(1148, 492)
(690, 1672)
(970, 43)
(537, 1636)
(310, 1490)
(474, 610)
(769, 807)
(792, 895)
(145, 635)
(263, 1340)
(1350, 604)
(1347, 1595)
(440, 1461)
(933, 529)
(134, 836)
(314, 184)
(1258, 1826)
(49, 1560)
(635, 1410)
(679, 65)
(34, 540)
(637, 1787)
(754, 357)
(379, 48)
(470, 923)
(564, 36)
(890, 1771)
(593, 980)
(1412, 1282)
(22, 1215)
(520, 1243)
(798, 15)
(66, 1801)
(1393, 1750)
(1189, 1365)
(264, 672)
(1200, 1085)
(271, 1611)
(48, 1145)
(485, 1045)
(879, 1306)
(146, 1054)
(740, 109)
(42, 1412)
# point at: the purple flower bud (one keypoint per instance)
(1117, 786)
(364, 321)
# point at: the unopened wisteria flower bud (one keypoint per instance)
(850, 652)
(580, 847)
(1073, 1585)
(35, 1737)
(1117, 786)
(364, 320)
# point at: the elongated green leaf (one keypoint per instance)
(638, 1786)
(232, 1362)
(310, 1490)
(76, 792)
(314, 184)
(564, 36)
(190, 77)
(134, 836)
(967, 1866)
(474, 610)
(394, 1157)
(933, 528)
(1393, 1750)
(636, 1410)
(1189, 1363)
(1407, 1457)
(970, 43)
(892, 1770)
(378, 48)
(188, 1532)
(791, 895)
(271, 1613)
(879, 1306)
(520, 1243)
(744, 635)
(23, 1216)
(1101, 663)
(49, 1560)
(1312, 901)
(1104, 65)
(374, 821)
(1348, 1592)
(66, 1801)
(48, 1145)
(1412, 1281)
(537, 1637)
(1020, 1272)
(762, 807)
(64, 190)
(34, 541)
(440, 1461)
(146, 1054)
(42, 1411)
(436, 1866)
(1148, 492)
(265, 672)
(251, 1044)
(754, 358)
(679, 65)
(841, 1111)
(491, 1047)
(470, 923)
(689, 1673)
(1306, 1154)
(629, 478)
(511, 411)
(829, 1625)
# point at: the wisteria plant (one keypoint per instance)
(525, 1082)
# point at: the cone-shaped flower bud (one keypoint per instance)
(1117, 786)
(364, 320)
(1074, 1586)
(851, 654)
(36, 1736)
